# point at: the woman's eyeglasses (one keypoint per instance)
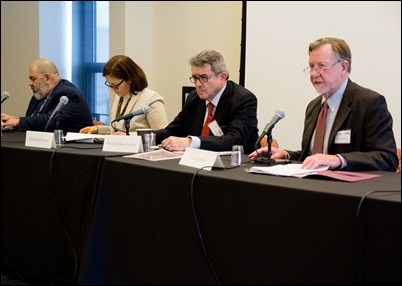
(114, 86)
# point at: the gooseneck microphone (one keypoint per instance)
(63, 101)
(4, 95)
(145, 110)
(279, 114)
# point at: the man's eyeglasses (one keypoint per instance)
(203, 78)
(320, 67)
(114, 85)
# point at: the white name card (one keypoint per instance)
(40, 139)
(199, 158)
(122, 143)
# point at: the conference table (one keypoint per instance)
(78, 215)
(164, 223)
(46, 203)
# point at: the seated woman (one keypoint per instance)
(130, 85)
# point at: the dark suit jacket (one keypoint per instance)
(364, 112)
(72, 117)
(236, 114)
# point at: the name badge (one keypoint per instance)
(343, 137)
(215, 128)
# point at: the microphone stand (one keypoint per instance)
(127, 125)
(269, 139)
(50, 122)
(267, 160)
(57, 122)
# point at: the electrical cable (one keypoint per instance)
(358, 255)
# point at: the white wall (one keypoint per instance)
(278, 35)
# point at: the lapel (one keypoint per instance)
(224, 103)
(343, 112)
(311, 120)
(131, 104)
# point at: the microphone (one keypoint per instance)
(4, 95)
(279, 114)
(145, 110)
(63, 101)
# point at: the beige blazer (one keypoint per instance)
(155, 119)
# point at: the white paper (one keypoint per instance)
(74, 136)
(157, 155)
(294, 170)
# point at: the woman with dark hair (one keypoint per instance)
(128, 81)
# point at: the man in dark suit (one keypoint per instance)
(234, 111)
(48, 88)
(358, 128)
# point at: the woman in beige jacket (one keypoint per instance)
(129, 83)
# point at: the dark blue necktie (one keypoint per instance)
(38, 108)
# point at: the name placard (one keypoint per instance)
(122, 143)
(198, 158)
(40, 139)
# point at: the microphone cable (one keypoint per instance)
(358, 254)
(59, 215)
(199, 232)
(53, 197)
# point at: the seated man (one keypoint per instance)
(347, 126)
(48, 88)
(218, 100)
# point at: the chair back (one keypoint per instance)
(264, 142)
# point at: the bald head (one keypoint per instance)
(44, 66)
(43, 77)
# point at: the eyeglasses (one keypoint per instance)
(320, 67)
(203, 78)
(114, 86)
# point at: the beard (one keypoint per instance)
(40, 92)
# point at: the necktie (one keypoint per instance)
(39, 107)
(210, 116)
(318, 146)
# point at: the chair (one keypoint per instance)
(96, 123)
(264, 142)
(398, 152)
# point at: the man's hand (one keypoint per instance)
(176, 143)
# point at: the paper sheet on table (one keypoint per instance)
(294, 170)
(157, 155)
(82, 137)
(287, 170)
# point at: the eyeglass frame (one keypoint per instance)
(113, 86)
(321, 68)
(203, 78)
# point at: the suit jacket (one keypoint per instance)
(72, 117)
(236, 114)
(364, 112)
(155, 119)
